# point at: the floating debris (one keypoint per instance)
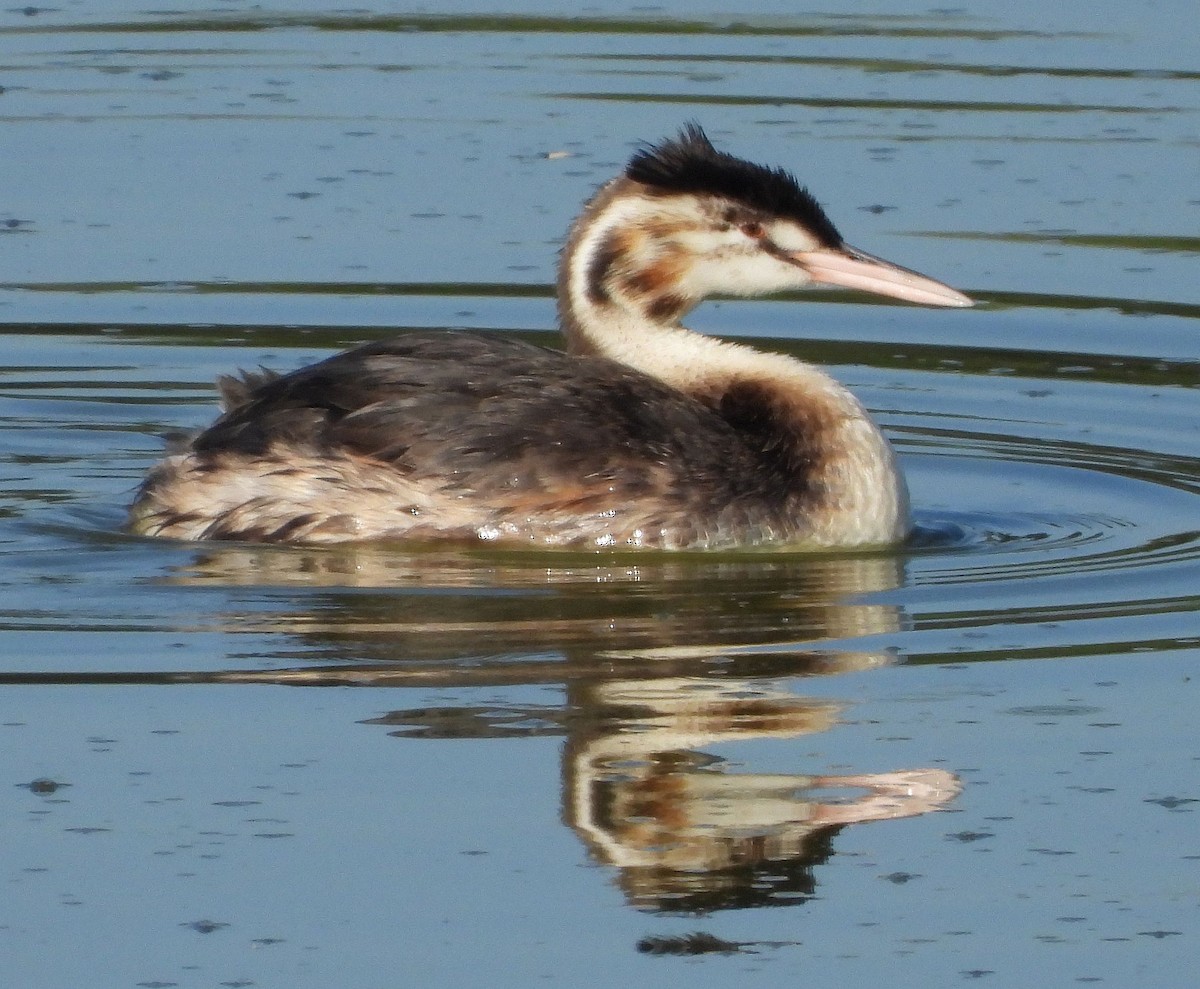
(696, 943)
(204, 926)
(42, 786)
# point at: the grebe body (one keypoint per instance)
(642, 434)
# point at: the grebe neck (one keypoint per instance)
(626, 278)
(623, 287)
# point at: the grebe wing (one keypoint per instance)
(493, 414)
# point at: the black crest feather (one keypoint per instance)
(690, 164)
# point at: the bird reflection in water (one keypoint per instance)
(660, 661)
(688, 835)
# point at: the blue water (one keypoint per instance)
(971, 758)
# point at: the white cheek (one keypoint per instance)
(742, 274)
(701, 243)
(789, 237)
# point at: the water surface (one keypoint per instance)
(970, 758)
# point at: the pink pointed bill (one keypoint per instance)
(851, 268)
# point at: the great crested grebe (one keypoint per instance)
(642, 434)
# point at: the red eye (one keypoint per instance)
(753, 230)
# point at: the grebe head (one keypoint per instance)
(686, 221)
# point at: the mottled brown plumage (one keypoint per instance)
(594, 447)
